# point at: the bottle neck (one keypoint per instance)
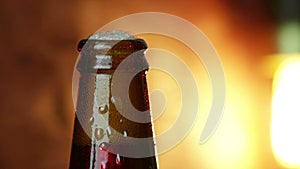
(100, 128)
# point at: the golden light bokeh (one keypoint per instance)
(286, 112)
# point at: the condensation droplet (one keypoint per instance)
(113, 100)
(103, 165)
(125, 134)
(91, 119)
(104, 146)
(99, 133)
(118, 160)
(108, 131)
(103, 109)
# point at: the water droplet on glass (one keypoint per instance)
(125, 133)
(104, 146)
(103, 109)
(103, 166)
(108, 131)
(99, 133)
(91, 119)
(118, 160)
(113, 100)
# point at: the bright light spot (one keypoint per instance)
(285, 125)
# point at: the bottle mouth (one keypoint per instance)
(102, 40)
(98, 55)
(112, 46)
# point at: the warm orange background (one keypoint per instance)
(38, 53)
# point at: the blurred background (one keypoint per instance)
(252, 37)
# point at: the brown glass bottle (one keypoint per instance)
(100, 129)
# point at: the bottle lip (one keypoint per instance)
(138, 44)
(97, 55)
(112, 35)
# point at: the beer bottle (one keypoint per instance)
(113, 127)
